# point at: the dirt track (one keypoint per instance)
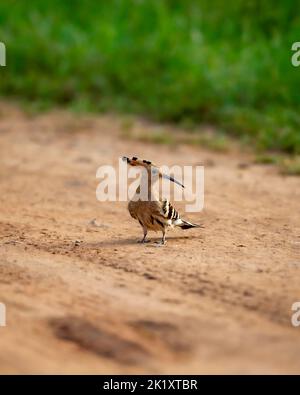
(213, 300)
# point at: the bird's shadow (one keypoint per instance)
(135, 241)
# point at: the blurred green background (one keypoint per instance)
(226, 63)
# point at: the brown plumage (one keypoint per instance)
(154, 213)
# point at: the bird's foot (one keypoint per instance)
(143, 241)
(161, 243)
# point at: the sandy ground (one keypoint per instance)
(213, 300)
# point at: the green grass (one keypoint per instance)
(189, 62)
(267, 159)
(290, 166)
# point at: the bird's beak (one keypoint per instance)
(172, 179)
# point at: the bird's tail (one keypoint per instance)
(187, 225)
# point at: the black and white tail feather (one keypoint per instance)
(173, 217)
(188, 225)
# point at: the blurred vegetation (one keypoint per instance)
(226, 63)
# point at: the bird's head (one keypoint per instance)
(151, 168)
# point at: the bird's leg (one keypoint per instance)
(145, 235)
(163, 240)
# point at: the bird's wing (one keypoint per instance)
(164, 213)
(169, 211)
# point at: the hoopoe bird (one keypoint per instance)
(154, 213)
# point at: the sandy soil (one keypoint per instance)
(213, 300)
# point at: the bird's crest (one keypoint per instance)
(149, 166)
